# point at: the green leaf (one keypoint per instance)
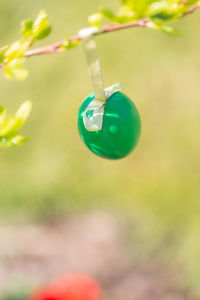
(95, 19)
(12, 55)
(14, 69)
(137, 6)
(17, 49)
(170, 30)
(157, 7)
(125, 15)
(107, 13)
(10, 125)
(2, 53)
(2, 114)
(69, 44)
(27, 28)
(140, 6)
(23, 113)
(14, 139)
(165, 10)
(41, 27)
(18, 74)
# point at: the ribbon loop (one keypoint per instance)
(93, 115)
(93, 61)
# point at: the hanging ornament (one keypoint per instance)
(108, 121)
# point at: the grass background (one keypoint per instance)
(158, 186)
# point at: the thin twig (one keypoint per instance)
(191, 9)
(56, 47)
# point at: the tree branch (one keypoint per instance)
(57, 46)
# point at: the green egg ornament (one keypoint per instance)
(120, 130)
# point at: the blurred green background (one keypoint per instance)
(54, 175)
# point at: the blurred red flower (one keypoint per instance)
(70, 287)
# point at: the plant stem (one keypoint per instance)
(57, 46)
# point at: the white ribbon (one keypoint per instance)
(93, 115)
(89, 44)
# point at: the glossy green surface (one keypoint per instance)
(121, 127)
